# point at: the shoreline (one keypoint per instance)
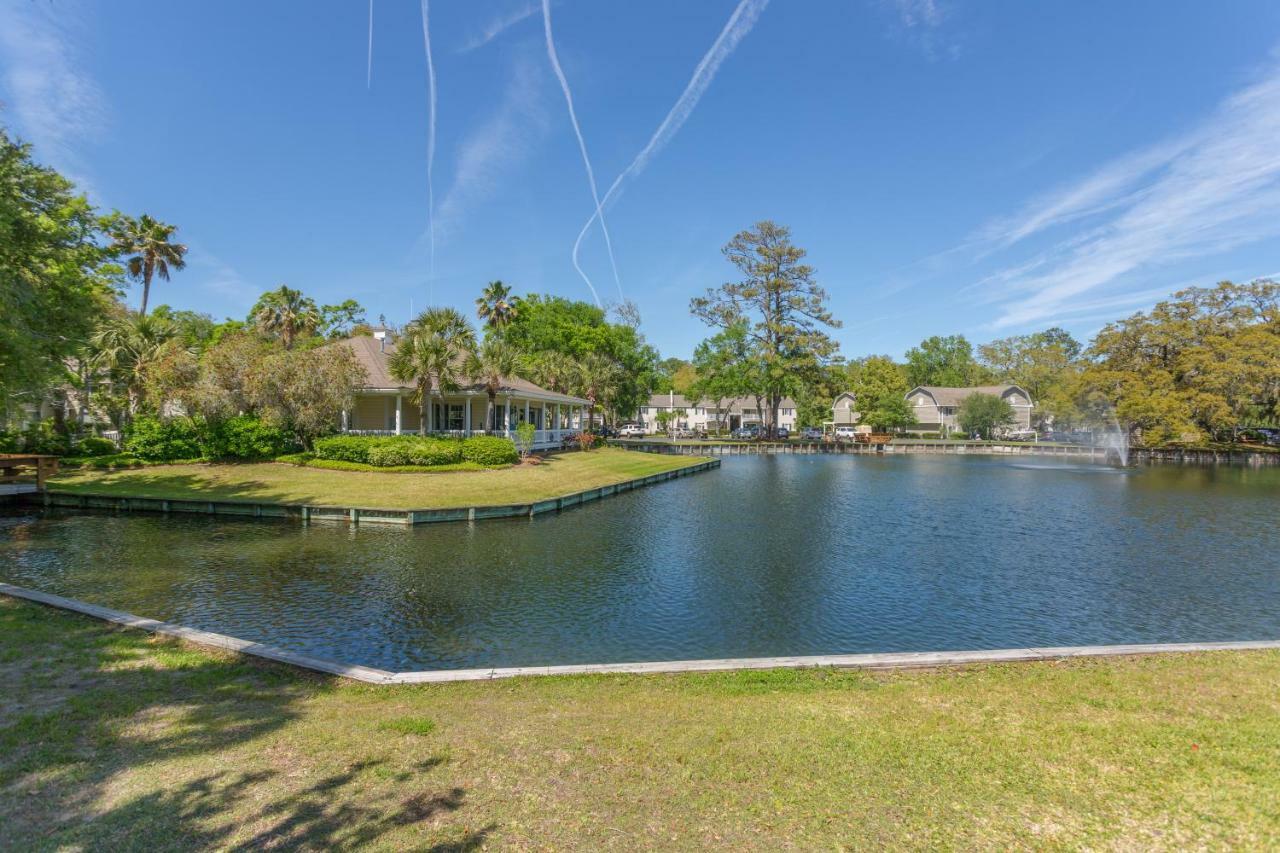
(865, 661)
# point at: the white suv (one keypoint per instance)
(631, 431)
(845, 433)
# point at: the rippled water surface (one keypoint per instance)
(766, 556)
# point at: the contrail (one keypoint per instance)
(368, 83)
(582, 145)
(735, 29)
(431, 136)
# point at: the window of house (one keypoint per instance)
(455, 416)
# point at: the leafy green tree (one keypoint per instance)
(945, 361)
(303, 390)
(149, 250)
(431, 354)
(489, 364)
(984, 414)
(876, 378)
(56, 278)
(552, 324)
(1200, 362)
(889, 413)
(552, 370)
(725, 369)
(341, 320)
(194, 329)
(495, 306)
(674, 375)
(287, 313)
(781, 306)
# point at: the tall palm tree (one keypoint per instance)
(598, 377)
(431, 355)
(288, 313)
(489, 365)
(495, 306)
(147, 243)
(127, 346)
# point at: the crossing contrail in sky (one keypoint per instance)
(368, 83)
(586, 160)
(735, 29)
(431, 135)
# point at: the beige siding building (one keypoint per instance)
(936, 407)
(386, 406)
(703, 415)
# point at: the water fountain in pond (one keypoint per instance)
(1116, 442)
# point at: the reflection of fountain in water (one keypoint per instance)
(1116, 442)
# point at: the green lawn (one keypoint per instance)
(111, 739)
(270, 482)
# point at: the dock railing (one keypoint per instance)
(25, 472)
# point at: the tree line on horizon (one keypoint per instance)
(1198, 365)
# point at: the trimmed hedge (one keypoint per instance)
(393, 451)
(489, 450)
(246, 437)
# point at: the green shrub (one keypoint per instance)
(344, 448)
(246, 437)
(390, 451)
(489, 450)
(389, 454)
(155, 440)
(95, 446)
(434, 451)
(42, 437)
(9, 441)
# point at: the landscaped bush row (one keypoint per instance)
(421, 451)
(243, 437)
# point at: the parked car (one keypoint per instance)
(1021, 435)
(781, 433)
(604, 431)
(631, 430)
(846, 433)
(749, 433)
(685, 432)
(811, 434)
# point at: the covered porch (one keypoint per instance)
(466, 413)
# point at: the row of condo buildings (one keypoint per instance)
(936, 409)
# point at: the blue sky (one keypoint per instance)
(988, 168)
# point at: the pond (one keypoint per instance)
(773, 555)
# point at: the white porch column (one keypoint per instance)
(399, 411)
(346, 421)
(466, 415)
(526, 411)
(506, 415)
(557, 425)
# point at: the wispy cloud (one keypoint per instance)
(498, 145)
(735, 30)
(582, 146)
(368, 80)
(431, 134)
(1200, 194)
(55, 103)
(920, 22)
(499, 25)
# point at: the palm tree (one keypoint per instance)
(597, 377)
(495, 306)
(286, 312)
(489, 365)
(147, 243)
(431, 355)
(553, 370)
(127, 346)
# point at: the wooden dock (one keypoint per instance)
(25, 473)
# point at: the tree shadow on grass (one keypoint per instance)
(68, 754)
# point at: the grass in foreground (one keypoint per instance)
(558, 474)
(111, 739)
